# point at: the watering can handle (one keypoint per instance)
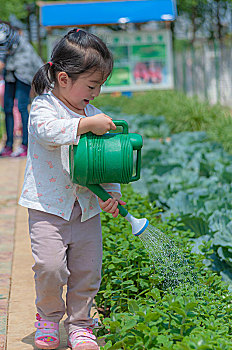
(138, 167)
(123, 124)
(104, 195)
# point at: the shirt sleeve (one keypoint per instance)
(48, 128)
(92, 110)
(112, 187)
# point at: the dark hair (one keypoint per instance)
(77, 52)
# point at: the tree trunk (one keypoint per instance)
(193, 20)
(219, 24)
(38, 32)
(172, 27)
(28, 26)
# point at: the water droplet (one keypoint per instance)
(168, 260)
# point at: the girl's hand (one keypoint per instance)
(111, 205)
(98, 124)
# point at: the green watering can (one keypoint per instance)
(105, 159)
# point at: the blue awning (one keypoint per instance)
(54, 14)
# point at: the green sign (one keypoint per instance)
(142, 60)
(120, 76)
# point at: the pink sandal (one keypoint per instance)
(82, 339)
(47, 334)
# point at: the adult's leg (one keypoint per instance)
(23, 94)
(9, 96)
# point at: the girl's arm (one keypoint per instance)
(98, 124)
(52, 131)
(49, 130)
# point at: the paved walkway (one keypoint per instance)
(9, 174)
(17, 296)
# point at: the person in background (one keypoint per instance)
(19, 62)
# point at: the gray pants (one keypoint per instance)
(66, 252)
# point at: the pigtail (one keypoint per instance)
(42, 82)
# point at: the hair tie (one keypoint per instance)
(50, 63)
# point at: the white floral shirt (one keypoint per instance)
(47, 185)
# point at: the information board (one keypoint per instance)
(142, 60)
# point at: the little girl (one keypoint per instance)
(64, 220)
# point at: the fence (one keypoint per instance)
(205, 71)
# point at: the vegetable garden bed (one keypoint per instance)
(188, 177)
(137, 312)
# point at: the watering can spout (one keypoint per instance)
(138, 225)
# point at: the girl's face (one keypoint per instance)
(76, 95)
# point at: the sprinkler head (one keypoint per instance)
(138, 225)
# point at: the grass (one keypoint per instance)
(181, 112)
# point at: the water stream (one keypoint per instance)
(169, 261)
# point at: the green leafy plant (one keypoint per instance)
(138, 312)
(182, 113)
(189, 176)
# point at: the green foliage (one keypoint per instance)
(195, 11)
(221, 130)
(16, 7)
(139, 313)
(190, 177)
(205, 15)
(181, 45)
(181, 113)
